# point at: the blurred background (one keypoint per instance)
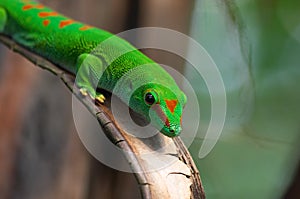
(256, 46)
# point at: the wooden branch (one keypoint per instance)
(178, 180)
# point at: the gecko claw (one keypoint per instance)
(100, 98)
(83, 92)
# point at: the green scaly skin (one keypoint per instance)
(80, 49)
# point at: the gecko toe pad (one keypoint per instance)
(83, 92)
(100, 98)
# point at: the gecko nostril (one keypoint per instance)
(172, 130)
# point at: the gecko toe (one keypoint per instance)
(100, 98)
(83, 92)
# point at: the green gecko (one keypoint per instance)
(76, 47)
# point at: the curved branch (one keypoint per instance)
(179, 180)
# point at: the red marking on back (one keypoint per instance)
(28, 7)
(171, 104)
(47, 14)
(85, 27)
(39, 6)
(65, 23)
(46, 22)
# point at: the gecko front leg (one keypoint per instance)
(89, 70)
(3, 19)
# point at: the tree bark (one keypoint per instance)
(179, 180)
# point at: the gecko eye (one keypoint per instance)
(150, 98)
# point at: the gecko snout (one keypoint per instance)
(174, 130)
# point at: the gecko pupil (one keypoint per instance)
(149, 98)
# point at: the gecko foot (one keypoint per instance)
(99, 98)
(83, 92)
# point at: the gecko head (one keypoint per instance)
(161, 106)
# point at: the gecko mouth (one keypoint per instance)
(172, 130)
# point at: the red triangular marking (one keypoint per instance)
(65, 23)
(171, 104)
